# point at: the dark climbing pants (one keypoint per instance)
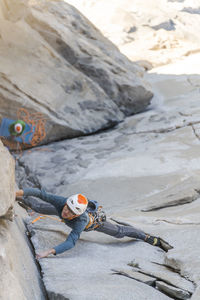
(120, 231)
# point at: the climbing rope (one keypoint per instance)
(37, 124)
(44, 217)
(37, 133)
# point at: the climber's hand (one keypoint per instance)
(45, 253)
(19, 193)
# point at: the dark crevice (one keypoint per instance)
(195, 133)
(123, 273)
(27, 173)
(169, 129)
(7, 90)
(56, 296)
(32, 249)
(48, 294)
(9, 215)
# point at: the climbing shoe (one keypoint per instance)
(157, 241)
(164, 245)
(152, 240)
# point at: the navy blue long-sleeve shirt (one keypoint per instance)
(77, 224)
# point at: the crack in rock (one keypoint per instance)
(57, 296)
(27, 174)
(177, 286)
(178, 202)
(149, 280)
(168, 275)
(175, 222)
(155, 281)
(172, 291)
(169, 129)
(195, 133)
(9, 215)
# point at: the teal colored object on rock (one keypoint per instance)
(18, 130)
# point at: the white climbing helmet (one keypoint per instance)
(18, 128)
(77, 203)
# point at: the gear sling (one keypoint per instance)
(96, 215)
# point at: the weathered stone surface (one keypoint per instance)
(172, 291)
(90, 264)
(137, 276)
(145, 172)
(196, 294)
(7, 179)
(181, 193)
(150, 159)
(165, 274)
(9, 214)
(92, 164)
(185, 255)
(19, 277)
(71, 73)
(151, 31)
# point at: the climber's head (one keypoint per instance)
(75, 206)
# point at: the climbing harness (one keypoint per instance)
(96, 215)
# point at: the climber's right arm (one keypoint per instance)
(19, 193)
(57, 201)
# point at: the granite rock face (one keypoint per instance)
(19, 275)
(7, 178)
(90, 264)
(54, 61)
(145, 172)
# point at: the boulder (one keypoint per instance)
(7, 179)
(20, 278)
(54, 61)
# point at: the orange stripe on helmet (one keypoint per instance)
(18, 128)
(82, 199)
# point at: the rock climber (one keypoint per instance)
(74, 213)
